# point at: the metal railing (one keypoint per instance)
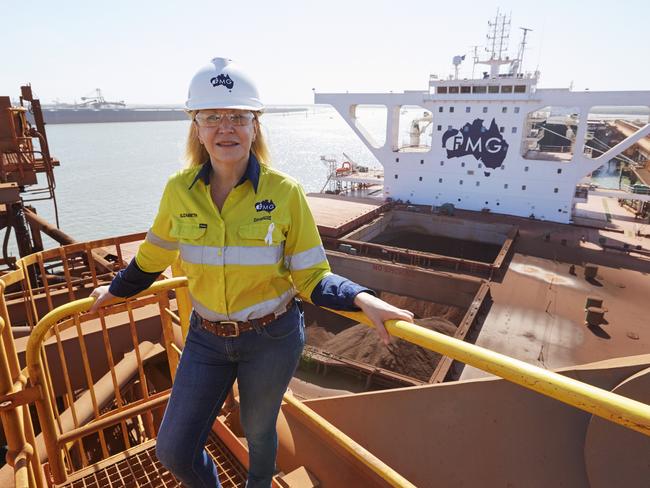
(14, 401)
(40, 283)
(638, 189)
(556, 149)
(610, 406)
(57, 438)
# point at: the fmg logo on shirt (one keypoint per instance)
(486, 145)
(265, 206)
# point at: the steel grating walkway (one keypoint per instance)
(139, 467)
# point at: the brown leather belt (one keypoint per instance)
(232, 328)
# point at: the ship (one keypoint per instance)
(531, 336)
(96, 109)
(493, 142)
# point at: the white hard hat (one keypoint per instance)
(222, 84)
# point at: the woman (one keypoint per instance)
(248, 244)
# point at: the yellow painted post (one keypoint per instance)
(16, 422)
(23, 477)
(11, 419)
(168, 334)
(46, 416)
(183, 301)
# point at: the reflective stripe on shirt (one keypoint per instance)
(160, 242)
(277, 305)
(239, 255)
(305, 259)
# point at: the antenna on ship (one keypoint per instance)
(474, 58)
(457, 61)
(522, 48)
(498, 36)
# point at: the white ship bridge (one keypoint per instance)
(476, 142)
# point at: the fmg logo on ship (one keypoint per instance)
(486, 145)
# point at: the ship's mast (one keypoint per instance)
(503, 35)
(498, 36)
(522, 48)
(474, 58)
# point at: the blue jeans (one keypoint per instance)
(263, 361)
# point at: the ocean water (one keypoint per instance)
(112, 175)
(609, 176)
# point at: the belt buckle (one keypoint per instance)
(234, 324)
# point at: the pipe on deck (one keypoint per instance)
(57, 234)
(39, 223)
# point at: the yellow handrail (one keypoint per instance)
(610, 406)
(79, 306)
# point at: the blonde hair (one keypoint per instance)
(196, 154)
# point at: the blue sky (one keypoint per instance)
(146, 52)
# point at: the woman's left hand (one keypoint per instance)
(378, 311)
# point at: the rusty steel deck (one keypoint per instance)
(336, 216)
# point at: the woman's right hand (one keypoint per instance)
(103, 297)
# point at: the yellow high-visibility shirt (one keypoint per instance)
(247, 260)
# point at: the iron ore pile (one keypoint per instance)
(343, 337)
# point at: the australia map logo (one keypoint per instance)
(223, 80)
(486, 145)
(265, 206)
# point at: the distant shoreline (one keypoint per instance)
(67, 115)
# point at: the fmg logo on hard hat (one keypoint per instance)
(486, 145)
(223, 80)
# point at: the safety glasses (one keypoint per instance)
(214, 119)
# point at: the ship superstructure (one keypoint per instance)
(482, 151)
